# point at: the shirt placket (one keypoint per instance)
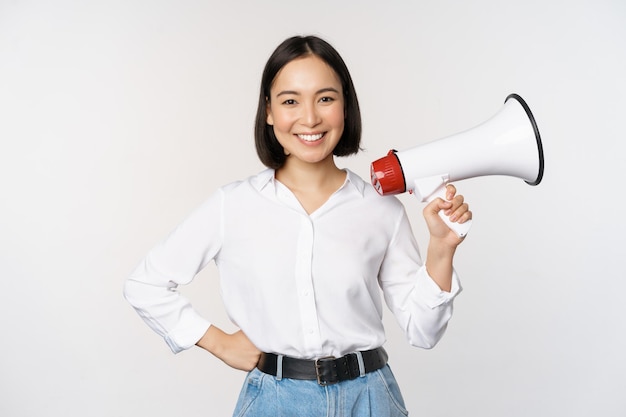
(306, 290)
(303, 274)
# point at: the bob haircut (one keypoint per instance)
(268, 148)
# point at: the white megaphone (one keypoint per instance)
(507, 144)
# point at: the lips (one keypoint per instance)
(311, 138)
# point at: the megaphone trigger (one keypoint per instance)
(461, 229)
(426, 189)
(429, 188)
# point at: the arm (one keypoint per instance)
(443, 241)
(421, 295)
(235, 350)
(152, 288)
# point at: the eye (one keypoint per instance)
(289, 102)
(327, 99)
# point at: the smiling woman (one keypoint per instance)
(301, 263)
(333, 69)
(306, 110)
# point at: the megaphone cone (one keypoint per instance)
(507, 144)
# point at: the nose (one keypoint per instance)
(310, 115)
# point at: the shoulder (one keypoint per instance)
(253, 182)
(386, 211)
(236, 191)
(371, 197)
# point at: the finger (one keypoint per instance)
(436, 205)
(461, 214)
(456, 203)
(450, 191)
(467, 216)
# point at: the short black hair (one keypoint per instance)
(268, 148)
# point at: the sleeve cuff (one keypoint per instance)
(431, 294)
(191, 329)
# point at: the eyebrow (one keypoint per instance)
(323, 90)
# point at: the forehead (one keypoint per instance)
(306, 73)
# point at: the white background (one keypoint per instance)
(117, 118)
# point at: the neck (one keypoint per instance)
(312, 184)
(304, 176)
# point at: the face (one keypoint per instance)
(306, 109)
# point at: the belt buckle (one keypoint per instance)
(318, 366)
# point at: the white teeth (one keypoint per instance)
(311, 138)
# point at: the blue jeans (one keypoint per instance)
(375, 394)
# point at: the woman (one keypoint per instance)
(304, 249)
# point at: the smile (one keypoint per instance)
(311, 138)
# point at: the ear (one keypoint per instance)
(268, 112)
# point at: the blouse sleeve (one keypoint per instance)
(152, 287)
(421, 308)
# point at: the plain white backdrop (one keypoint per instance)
(118, 117)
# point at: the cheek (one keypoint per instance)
(281, 121)
(336, 119)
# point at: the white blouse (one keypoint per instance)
(300, 285)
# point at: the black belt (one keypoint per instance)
(326, 371)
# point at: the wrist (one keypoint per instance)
(440, 249)
(439, 263)
(212, 340)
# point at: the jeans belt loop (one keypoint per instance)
(279, 367)
(359, 358)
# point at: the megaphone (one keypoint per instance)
(507, 144)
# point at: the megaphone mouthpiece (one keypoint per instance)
(387, 175)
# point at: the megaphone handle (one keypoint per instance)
(461, 229)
